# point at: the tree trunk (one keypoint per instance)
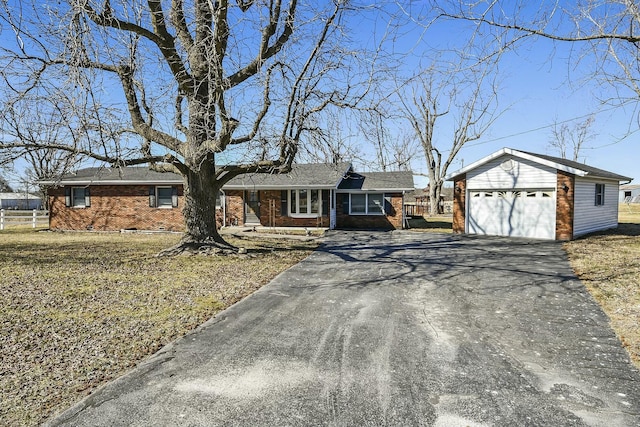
(435, 190)
(199, 211)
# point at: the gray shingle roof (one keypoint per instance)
(318, 175)
(590, 170)
(125, 175)
(551, 161)
(378, 181)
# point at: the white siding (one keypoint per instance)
(587, 216)
(525, 174)
(634, 193)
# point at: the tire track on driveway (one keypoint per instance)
(392, 328)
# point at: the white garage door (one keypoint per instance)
(519, 213)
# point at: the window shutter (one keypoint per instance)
(152, 197)
(388, 207)
(67, 196)
(345, 204)
(284, 206)
(87, 198)
(325, 202)
(174, 197)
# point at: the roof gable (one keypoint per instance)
(378, 181)
(569, 166)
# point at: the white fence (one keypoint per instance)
(36, 218)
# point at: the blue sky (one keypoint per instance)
(541, 84)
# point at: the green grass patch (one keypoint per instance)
(78, 309)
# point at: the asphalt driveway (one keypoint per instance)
(394, 328)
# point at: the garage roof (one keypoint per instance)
(569, 166)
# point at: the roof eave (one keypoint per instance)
(530, 157)
(112, 182)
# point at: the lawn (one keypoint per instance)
(78, 309)
(432, 224)
(608, 263)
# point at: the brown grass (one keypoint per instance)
(608, 263)
(78, 309)
(433, 224)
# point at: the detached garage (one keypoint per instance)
(520, 194)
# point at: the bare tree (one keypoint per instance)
(207, 89)
(568, 139)
(393, 151)
(605, 34)
(331, 142)
(34, 123)
(447, 108)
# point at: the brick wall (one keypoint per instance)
(113, 208)
(459, 204)
(271, 213)
(391, 220)
(234, 207)
(117, 207)
(565, 202)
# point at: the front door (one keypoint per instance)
(252, 207)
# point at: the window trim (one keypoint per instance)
(294, 202)
(154, 197)
(70, 197)
(599, 194)
(366, 204)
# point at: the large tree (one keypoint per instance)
(207, 89)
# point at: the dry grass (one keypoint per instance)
(433, 224)
(78, 309)
(608, 264)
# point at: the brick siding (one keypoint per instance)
(565, 202)
(459, 207)
(391, 220)
(114, 208)
(118, 207)
(234, 207)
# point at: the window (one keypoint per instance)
(77, 197)
(163, 197)
(599, 195)
(366, 204)
(305, 202)
(375, 203)
(358, 204)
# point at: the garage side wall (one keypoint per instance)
(565, 195)
(459, 206)
(590, 217)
